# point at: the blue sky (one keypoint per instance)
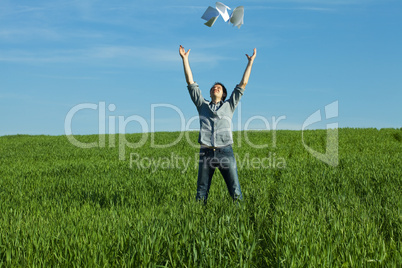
(55, 55)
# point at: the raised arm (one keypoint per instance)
(186, 65)
(247, 72)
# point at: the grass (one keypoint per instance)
(66, 206)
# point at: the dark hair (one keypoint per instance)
(225, 93)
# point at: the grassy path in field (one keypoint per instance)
(63, 205)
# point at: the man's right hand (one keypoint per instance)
(183, 52)
(186, 65)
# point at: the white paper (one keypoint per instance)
(237, 16)
(212, 14)
(223, 10)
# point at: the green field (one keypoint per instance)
(66, 206)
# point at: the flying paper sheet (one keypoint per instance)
(237, 16)
(223, 10)
(212, 14)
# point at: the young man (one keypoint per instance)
(215, 135)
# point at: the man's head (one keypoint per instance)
(218, 92)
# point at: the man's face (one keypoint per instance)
(217, 91)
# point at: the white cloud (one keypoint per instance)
(307, 8)
(321, 2)
(129, 55)
(21, 34)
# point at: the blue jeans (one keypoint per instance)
(223, 159)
